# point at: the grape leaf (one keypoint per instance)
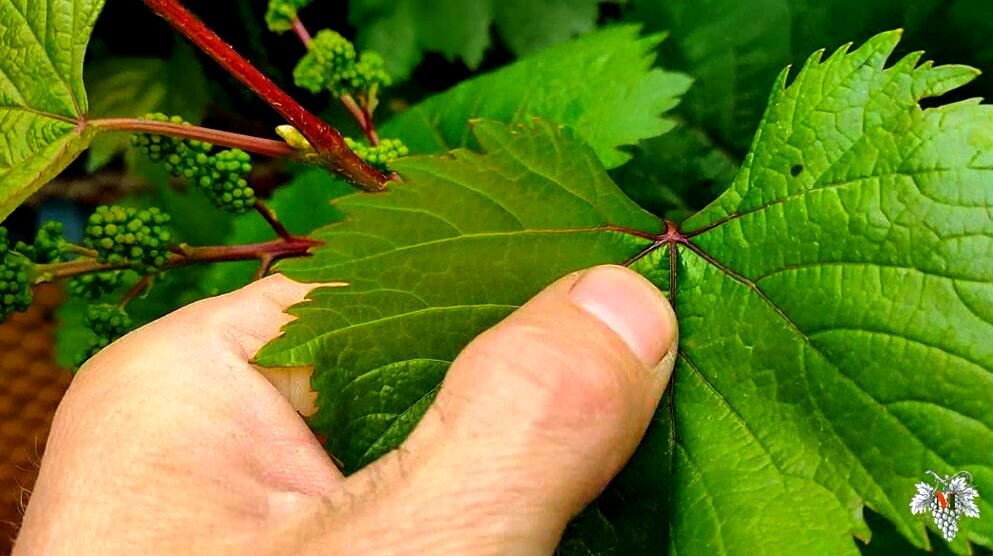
(861, 221)
(133, 87)
(602, 85)
(402, 30)
(834, 307)
(498, 206)
(42, 99)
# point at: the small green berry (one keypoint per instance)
(15, 284)
(138, 238)
(108, 323)
(381, 155)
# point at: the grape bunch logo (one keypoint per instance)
(947, 501)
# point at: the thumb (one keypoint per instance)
(533, 420)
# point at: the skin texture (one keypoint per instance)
(169, 442)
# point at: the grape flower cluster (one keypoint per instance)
(280, 15)
(15, 283)
(332, 64)
(108, 323)
(221, 176)
(381, 155)
(138, 239)
(48, 243)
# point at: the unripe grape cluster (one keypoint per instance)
(128, 236)
(221, 176)
(15, 285)
(222, 179)
(332, 64)
(48, 243)
(281, 13)
(108, 323)
(381, 155)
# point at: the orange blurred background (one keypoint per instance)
(31, 385)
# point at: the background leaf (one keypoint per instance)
(853, 247)
(402, 30)
(41, 93)
(406, 255)
(734, 51)
(133, 87)
(601, 85)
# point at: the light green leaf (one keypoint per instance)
(403, 30)
(133, 87)
(856, 240)
(42, 99)
(601, 85)
(835, 305)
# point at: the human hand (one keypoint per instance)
(169, 442)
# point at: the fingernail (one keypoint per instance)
(631, 306)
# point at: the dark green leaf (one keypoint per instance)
(448, 207)
(678, 173)
(734, 50)
(402, 30)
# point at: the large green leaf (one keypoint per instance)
(42, 99)
(527, 218)
(857, 242)
(835, 306)
(601, 85)
(403, 30)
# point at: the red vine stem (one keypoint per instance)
(139, 288)
(266, 252)
(270, 217)
(301, 32)
(328, 143)
(362, 116)
(258, 145)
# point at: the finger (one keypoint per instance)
(255, 314)
(533, 420)
(212, 434)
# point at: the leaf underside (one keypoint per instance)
(835, 308)
(41, 92)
